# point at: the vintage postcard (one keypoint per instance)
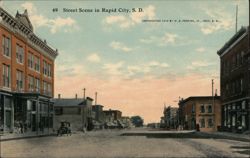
(124, 78)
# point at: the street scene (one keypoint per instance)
(111, 143)
(124, 79)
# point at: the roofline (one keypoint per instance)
(199, 97)
(25, 31)
(233, 41)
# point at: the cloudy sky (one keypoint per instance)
(135, 66)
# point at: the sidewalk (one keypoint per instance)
(16, 136)
(226, 135)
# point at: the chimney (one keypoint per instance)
(59, 96)
(76, 96)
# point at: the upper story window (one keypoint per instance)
(37, 64)
(193, 108)
(6, 45)
(31, 83)
(6, 75)
(19, 54)
(19, 80)
(47, 69)
(31, 61)
(202, 108)
(209, 109)
(37, 84)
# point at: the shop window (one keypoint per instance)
(243, 105)
(243, 120)
(233, 120)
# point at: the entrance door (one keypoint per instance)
(8, 118)
(33, 122)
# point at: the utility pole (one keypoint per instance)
(213, 110)
(95, 98)
(236, 20)
(83, 126)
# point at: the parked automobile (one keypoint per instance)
(64, 129)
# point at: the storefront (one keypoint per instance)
(35, 112)
(22, 113)
(236, 116)
(6, 111)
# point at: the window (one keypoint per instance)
(37, 85)
(6, 46)
(31, 83)
(193, 108)
(49, 70)
(202, 123)
(242, 57)
(31, 61)
(19, 80)
(202, 108)
(58, 111)
(243, 121)
(209, 109)
(49, 88)
(238, 59)
(233, 120)
(243, 105)
(19, 53)
(241, 84)
(37, 64)
(6, 75)
(46, 69)
(210, 123)
(45, 87)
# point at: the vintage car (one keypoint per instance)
(64, 129)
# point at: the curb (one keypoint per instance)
(25, 137)
(221, 136)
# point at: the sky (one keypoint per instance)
(136, 66)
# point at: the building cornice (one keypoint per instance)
(233, 41)
(17, 27)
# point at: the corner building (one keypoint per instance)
(26, 76)
(235, 82)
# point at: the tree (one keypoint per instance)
(137, 121)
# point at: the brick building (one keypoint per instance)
(112, 115)
(27, 76)
(235, 82)
(204, 111)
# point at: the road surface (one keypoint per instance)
(112, 144)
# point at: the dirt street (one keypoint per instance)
(111, 144)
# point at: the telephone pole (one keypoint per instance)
(236, 20)
(213, 110)
(83, 124)
(95, 98)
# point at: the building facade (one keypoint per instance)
(27, 76)
(235, 82)
(201, 111)
(77, 111)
